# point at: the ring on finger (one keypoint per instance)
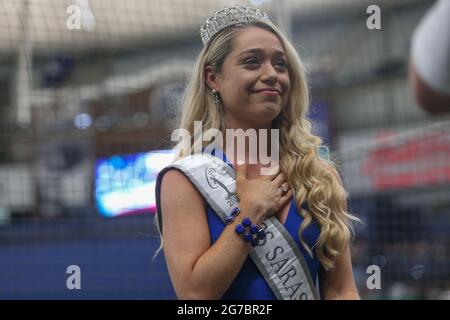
(283, 188)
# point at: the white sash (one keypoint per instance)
(278, 257)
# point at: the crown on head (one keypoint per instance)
(227, 17)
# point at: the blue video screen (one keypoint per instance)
(125, 184)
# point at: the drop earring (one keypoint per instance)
(216, 98)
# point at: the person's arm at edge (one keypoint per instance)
(429, 60)
(431, 101)
(338, 283)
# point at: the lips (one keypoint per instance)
(268, 89)
(269, 92)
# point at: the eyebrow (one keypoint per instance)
(258, 50)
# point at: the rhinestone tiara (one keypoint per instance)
(227, 17)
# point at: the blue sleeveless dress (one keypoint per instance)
(249, 283)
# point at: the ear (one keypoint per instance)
(211, 78)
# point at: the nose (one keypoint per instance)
(269, 74)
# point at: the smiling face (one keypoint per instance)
(254, 80)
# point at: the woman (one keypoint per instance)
(249, 76)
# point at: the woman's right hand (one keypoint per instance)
(261, 197)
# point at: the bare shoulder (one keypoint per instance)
(179, 195)
(181, 202)
(176, 186)
(176, 180)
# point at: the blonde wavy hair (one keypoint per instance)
(312, 179)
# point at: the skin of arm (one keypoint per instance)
(429, 62)
(198, 270)
(431, 101)
(338, 283)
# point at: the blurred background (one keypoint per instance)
(88, 98)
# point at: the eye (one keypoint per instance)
(282, 63)
(251, 60)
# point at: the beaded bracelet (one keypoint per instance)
(253, 234)
(232, 216)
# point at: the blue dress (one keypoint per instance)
(249, 283)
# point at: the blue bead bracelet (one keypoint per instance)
(250, 232)
(229, 219)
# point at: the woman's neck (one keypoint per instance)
(251, 146)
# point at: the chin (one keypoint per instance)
(271, 109)
(262, 119)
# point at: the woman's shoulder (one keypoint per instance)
(175, 185)
(174, 178)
